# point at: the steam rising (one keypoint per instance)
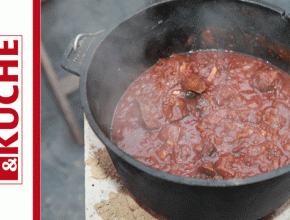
(172, 27)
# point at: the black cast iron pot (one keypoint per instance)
(109, 63)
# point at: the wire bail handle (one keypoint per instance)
(79, 36)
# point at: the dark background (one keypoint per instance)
(62, 159)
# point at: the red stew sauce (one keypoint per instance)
(208, 114)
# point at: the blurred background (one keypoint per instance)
(62, 150)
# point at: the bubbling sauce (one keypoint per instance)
(208, 114)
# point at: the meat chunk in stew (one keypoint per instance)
(150, 114)
(193, 82)
(175, 110)
(265, 80)
(170, 133)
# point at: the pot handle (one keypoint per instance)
(79, 53)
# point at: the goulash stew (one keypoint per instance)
(208, 114)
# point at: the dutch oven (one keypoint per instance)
(109, 63)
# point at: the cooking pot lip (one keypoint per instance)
(161, 174)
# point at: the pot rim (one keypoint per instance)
(158, 173)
